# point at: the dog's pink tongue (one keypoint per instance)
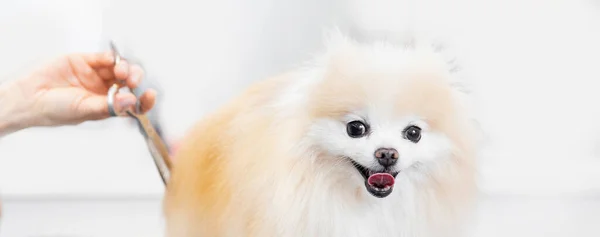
(381, 180)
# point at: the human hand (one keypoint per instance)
(73, 89)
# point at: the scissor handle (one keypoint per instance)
(112, 92)
(114, 89)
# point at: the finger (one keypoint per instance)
(125, 101)
(106, 73)
(132, 75)
(135, 76)
(121, 70)
(147, 100)
(96, 107)
(98, 59)
(88, 77)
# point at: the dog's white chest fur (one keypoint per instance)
(323, 211)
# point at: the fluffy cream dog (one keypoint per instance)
(369, 139)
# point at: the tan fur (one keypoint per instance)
(199, 198)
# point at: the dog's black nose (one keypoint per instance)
(386, 156)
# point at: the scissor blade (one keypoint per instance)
(156, 145)
(159, 161)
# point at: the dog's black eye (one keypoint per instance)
(356, 129)
(412, 133)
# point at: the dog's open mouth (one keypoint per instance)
(379, 183)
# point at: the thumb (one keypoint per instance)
(96, 107)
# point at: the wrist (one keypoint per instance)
(13, 114)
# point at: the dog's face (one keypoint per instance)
(384, 120)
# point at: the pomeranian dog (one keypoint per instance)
(375, 136)
(369, 139)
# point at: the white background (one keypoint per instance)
(535, 66)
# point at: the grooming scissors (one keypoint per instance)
(157, 147)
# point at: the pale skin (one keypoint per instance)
(67, 91)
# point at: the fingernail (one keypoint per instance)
(121, 66)
(121, 71)
(127, 102)
(135, 77)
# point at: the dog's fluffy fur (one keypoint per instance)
(277, 160)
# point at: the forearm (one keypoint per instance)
(12, 117)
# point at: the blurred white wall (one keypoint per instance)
(534, 64)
